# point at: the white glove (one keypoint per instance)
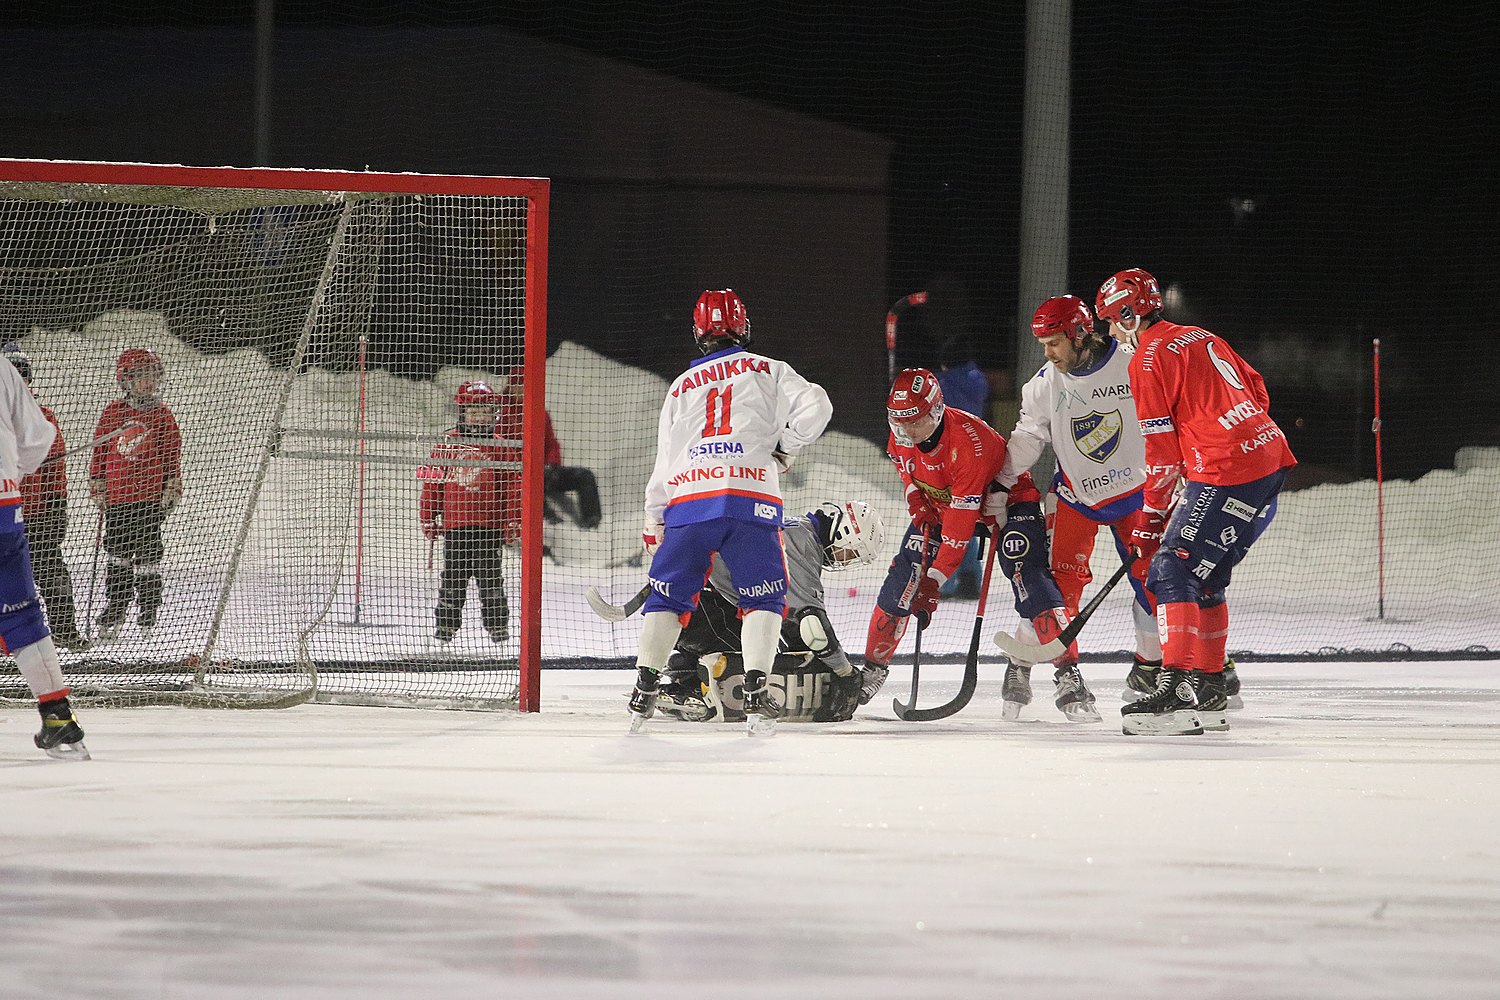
(651, 535)
(783, 460)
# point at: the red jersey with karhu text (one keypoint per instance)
(954, 478)
(50, 482)
(136, 464)
(471, 495)
(1203, 412)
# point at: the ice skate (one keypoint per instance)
(60, 735)
(761, 712)
(1016, 691)
(1073, 697)
(1213, 705)
(70, 640)
(1141, 681)
(680, 696)
(1171, 711)
(643, 698)
(1232, 685)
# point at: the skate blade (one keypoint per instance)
(1011, 711)
(1215, 722)
(1086, 713)
(637, 722)
(759, 725)
(1181, 723)
(1236, 702)
(69, 751)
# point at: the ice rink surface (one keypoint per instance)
(1342, 840)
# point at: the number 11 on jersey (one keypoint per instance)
(716, 415)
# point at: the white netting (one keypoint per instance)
(293, 326)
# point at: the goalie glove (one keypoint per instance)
(651, 535)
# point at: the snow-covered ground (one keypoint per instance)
(1338, 842)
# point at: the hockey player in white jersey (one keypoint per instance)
(812, 679)
(25, 438)
(730, 425)
(1079, 403)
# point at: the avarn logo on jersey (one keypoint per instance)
(1097, 435)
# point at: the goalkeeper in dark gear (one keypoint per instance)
(812, 676)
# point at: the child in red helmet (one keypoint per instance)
(135, 478)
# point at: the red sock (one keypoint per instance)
(1213, 638)
(884, 636)
(1049, 625)
(1178, 624)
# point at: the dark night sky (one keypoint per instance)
(1361, 134)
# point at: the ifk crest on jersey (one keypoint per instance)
(1097, 435)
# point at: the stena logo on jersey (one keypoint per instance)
(765, 510)
(1097, 435)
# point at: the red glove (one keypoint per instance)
(924, 604)
(431, 529)
(923, 514)
(1146, 531)
(651, 535)
(1024, 490)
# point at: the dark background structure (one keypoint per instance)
(1304, 178)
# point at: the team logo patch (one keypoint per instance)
(1015, 545)
(1097, 435)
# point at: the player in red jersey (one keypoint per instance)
(44, 506)
(1203, 413)
(948, 460)
(136, 480)
(470, 497)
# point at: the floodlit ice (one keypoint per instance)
(1339, 841)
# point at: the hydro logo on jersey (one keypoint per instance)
(1097, 435)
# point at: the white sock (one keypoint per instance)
(38, 663)
(1147, 641)
(658, 636)
(760, 634)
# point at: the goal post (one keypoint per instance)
(313, 328)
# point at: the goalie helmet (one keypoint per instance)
(853, 534)
(1128, 297)
(1065, 314)
(135, 364)
(19, 359)
(719, 316)
(914, 408)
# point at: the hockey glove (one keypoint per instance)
(923, 514)
(1024, 490)
(171, 495)
(651, 535)
(924, 604)
(1146, 532)
(432, 529)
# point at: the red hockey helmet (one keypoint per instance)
(720, 315)
(1065, 314)
(138, 362)
(476, 393)
(914, 407)
(1128, 297)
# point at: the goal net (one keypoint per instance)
(311, 331)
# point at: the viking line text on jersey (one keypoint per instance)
(721, 370)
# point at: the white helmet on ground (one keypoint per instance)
(855, 533)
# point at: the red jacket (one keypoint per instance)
(136, 465)
(1203, 412)
(467, 495)
(50, 482)
(954, 478)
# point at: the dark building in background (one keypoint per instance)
(659, 188)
